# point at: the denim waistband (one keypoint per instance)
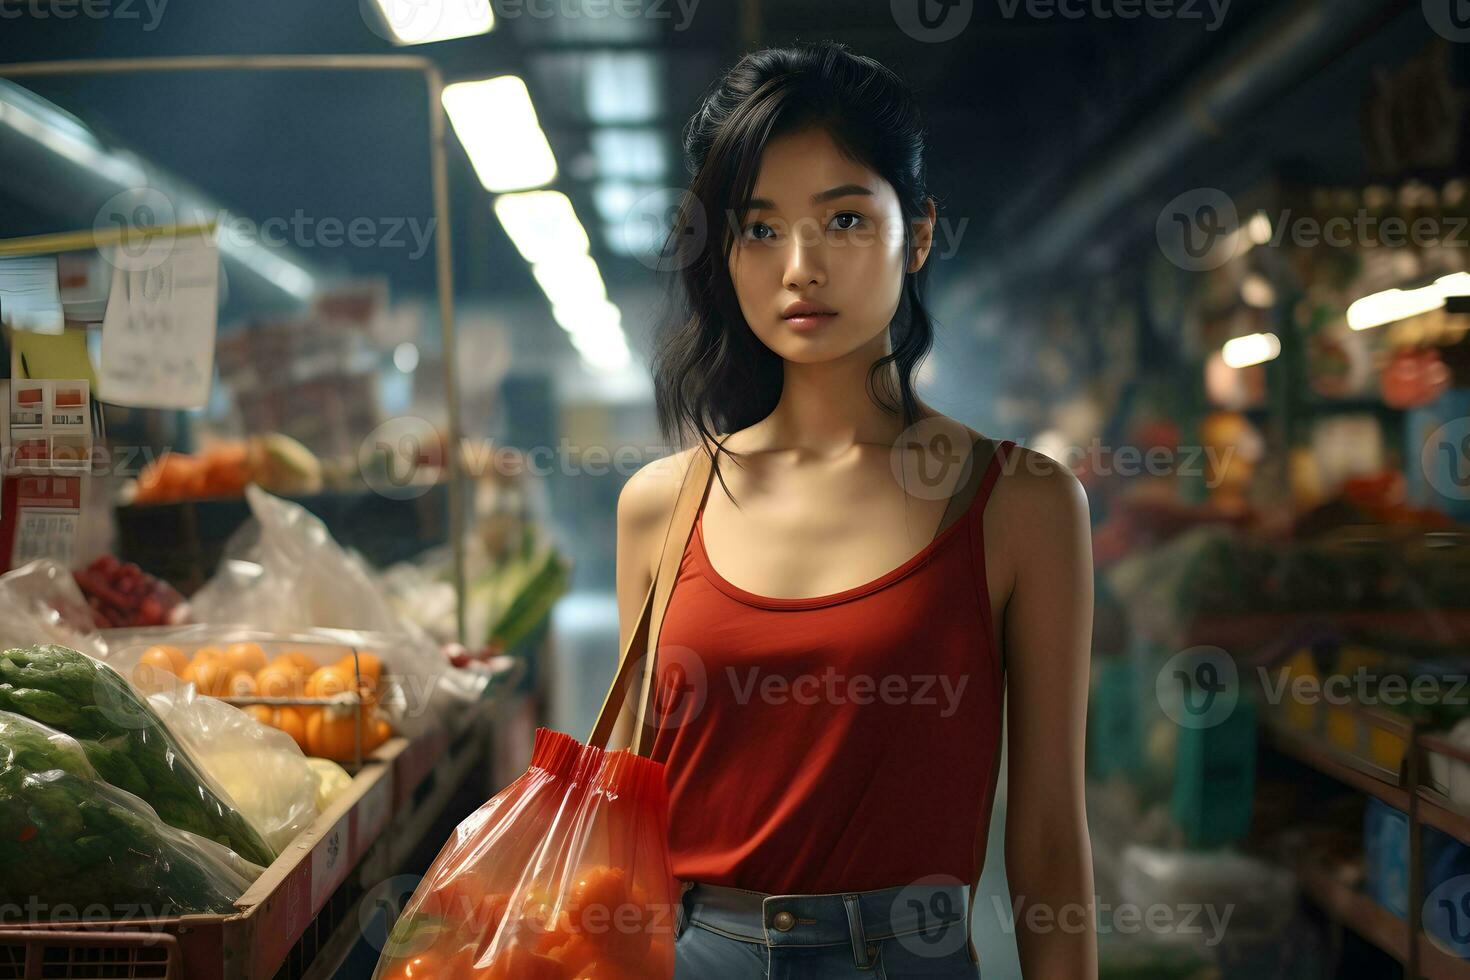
(827, 919)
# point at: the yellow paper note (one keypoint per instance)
(63, 355)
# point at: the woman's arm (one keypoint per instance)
(645, 505)
(1048, 638)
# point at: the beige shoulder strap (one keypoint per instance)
(644, 639)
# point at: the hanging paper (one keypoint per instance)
(159, 331)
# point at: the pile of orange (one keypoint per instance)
(605, 930)
(240, 670)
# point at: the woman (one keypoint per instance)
(870, 578)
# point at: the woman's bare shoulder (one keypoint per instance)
(647, 498)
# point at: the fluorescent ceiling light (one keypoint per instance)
(637, 154)
(602, 353)
(1256, 348)
(591, 316)
(569, 279)
(423, 21)
(1400, 304)
(496, 122)
(542, 224)
(621, 87)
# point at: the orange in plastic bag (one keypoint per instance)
(563, 875)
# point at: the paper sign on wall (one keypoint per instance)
(159, 330)
(30, 298)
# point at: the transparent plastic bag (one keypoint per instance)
(125, 741)
(284, 573)
(563, 874)
(40, 603)
(262, 768)
(407, 698)
(75, 846)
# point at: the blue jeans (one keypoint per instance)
(884, 934)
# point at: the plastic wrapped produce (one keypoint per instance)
(75, 845)
(284, 573)
(261, 768)
(125, 741)
(563, 874)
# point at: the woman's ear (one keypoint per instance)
(923, 237)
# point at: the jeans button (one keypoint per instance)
(783, 921)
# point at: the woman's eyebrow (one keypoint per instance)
(841, 190)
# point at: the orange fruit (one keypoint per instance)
(242, 684)
(279, 681)
(171, 659)
(303, 662)
(328, 682)
(245, 657)
(291, 720)
(262, 713)
(208, 676)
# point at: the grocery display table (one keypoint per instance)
(302, 913)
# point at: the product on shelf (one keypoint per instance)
(276, 462)
(120, 594)
(125, 741)
(241, 671)
(74, 840)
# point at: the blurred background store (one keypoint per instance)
(1214, 255)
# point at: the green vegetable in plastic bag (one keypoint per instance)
(125, 741)
(75, 846)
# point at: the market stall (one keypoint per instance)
(248, 686)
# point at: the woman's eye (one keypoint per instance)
(856, 220)
(752, 229)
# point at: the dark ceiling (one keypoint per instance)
(1017, 105)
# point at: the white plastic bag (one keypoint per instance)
(307, 581)
(262, 768)
(40, 603)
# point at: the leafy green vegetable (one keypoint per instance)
(125, 741)
(73, 845)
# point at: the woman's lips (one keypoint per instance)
(809, 321)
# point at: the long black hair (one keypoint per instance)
(711, 373)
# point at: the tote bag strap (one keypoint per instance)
(636, 665)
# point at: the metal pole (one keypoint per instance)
(444, 254)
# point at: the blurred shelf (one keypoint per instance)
(1345, 904)
(1437, 811)
(1330, 761)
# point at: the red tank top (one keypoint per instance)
(835, 743)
